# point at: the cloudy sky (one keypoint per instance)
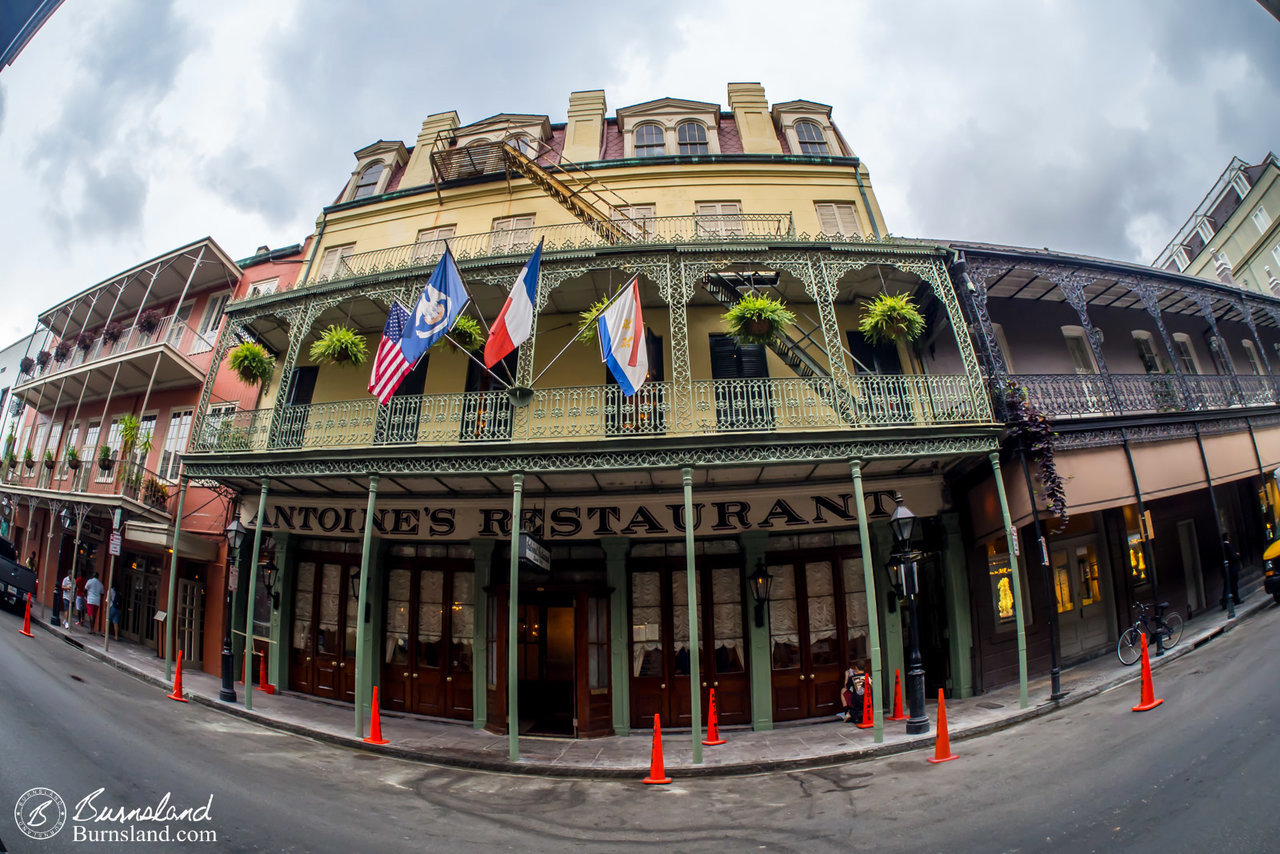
(129, 127)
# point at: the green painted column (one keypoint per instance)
(1015, 571)
(615, 567)
(364, 679)
(380, 549)
(873, 606)
(758, 669)
(695, 645)
(247, 672)
(482, 552)
(958, 619)
(169, 619)
(513, 595)
(893, 652)
(285, 559)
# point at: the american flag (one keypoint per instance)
(390, 365)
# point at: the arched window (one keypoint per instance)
(368, 180)
(812, 139)
(650, 141)
(524, 144)
(692, 137)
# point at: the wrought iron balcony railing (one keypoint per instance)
(1062, 396)
(594, 412)
(169, 331)
(646, 231)
(121, 478)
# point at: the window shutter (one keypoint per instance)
(724, 358)
(754, 363)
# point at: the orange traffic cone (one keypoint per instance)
(263, 685)
(657, 773)
(177, 682)
(713, 724)
(26, 619)
(942, 752)
(868, 713)
(375, 723)
(897, 698)
(1149, 700)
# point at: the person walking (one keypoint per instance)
(113, 613)
(93, 590)
(68, 586)
(1230, 584)
(80, 587)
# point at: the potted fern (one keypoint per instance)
(888, 319)
(149, 321)
(11, 459)
(587, 323)
(467, 333)
(28, 458)
(85, 341)
(340, 345)
(27, 365)
(43, 357)
(104, 458)
(251, 363)
(757, 319)
(112, 332)
(73, 458)
(49, 460)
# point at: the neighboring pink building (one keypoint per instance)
(135, 346)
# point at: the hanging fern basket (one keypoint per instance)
(889, 319)
(251, 363)
(468, 334)
(757, 319)
(340, 345)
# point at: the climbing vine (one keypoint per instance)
(1034, 435)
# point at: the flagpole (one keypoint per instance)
(591, 319)
(473, 358)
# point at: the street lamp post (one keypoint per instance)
(903, 524)
(235, 538)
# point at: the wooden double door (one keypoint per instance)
(322, 655)
(660, 648)
(426, 652)
(817, 624)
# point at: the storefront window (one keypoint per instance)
(820, 587)
(397, 646)
(430, 617)
(1137, 562)
(784, 635)
(461, 622)
(1087, 572)
(1000, 574)
(726, 616)
(646, 624)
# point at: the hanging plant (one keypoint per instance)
(129, 427)
(104, 457)
(27, 365)
(468, 333)
(1035, 437)
(29, 458)
(11, 459)
(757, 319)
(43, 357)
(62, 351)
(888, 319)
(340, 345)
(49, 460)
(587, 324)
(73, 458)
(85, 341)
(112, 331)
(149, 321)
(251, 363)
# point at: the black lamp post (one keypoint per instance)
(903, 523)
(270, 573)
(761, 584)
(235, 538)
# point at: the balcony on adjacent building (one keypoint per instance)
(1073, 396)
(709, 408)
(119, 483)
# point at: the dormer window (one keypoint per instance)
(1181, 259)
(692, 137)
(650, 141)
(368, 181)
(812, 139)
(1241, 184)
(1205, 230)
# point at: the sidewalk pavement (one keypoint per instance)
(806, 744)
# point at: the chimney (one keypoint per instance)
(418, 172)
(755, 125)
(584, 132)
(1223, 267)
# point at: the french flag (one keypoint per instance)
(514, 324)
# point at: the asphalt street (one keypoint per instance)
(1197, 774)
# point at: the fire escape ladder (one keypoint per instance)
(575, 201)
(791, 352)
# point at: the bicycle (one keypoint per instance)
(1169, 627)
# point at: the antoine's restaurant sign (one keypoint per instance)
(567, 518)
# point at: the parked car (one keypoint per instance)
(1271, 580)
(16, 581)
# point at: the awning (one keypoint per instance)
(157, 536)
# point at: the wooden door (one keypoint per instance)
(823, 648)
(594, 689)
(395, 687)
(302, 664)
(427, 647)
(806, 650)
(458, 699)
(327, 654)
(648, 649)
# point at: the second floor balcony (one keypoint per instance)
(1074, 396)
(120, 482)
(705, 408)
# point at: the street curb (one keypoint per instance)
(742, 769)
